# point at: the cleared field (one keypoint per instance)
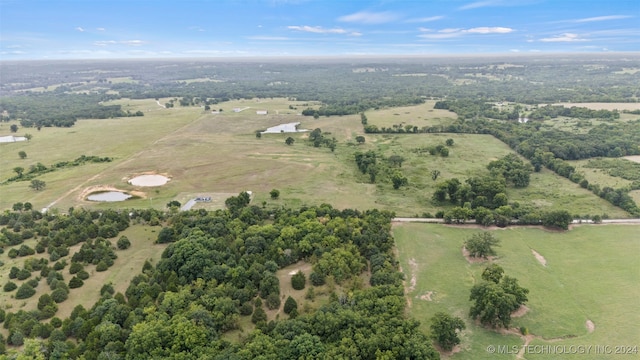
(604, 106)
(599, 176)
(418, 115)
(128, 264)
(206, 153)
(591, 273)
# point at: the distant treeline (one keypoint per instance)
(58, 109)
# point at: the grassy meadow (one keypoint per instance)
(218, 154)
(591, 273)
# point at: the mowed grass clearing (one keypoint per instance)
(591, 273)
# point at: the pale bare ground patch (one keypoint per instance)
(414, 269)
(539, 257)
(590, 326)
(426, 297)
(603, 106)
(101, 188)
(520, 312)
(447, 354)
(634, 158)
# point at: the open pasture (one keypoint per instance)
(418, 115)
(591, 273)
(206, 153)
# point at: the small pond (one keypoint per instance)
(109, 196)
(149, 180)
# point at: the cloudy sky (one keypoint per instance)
(82, 29)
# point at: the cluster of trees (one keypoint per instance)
(553, 111)
(318, 139)
(60, 109)
(388, 170)
(550, 148)
(39, 168)
(219, 267)
(513, 169)
(496, 297)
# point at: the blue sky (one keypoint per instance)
(90, 29)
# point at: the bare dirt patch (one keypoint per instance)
(474, 260)
(426, 297)
(447, 354)
(102, 188)
(634, 158)
(522, 310)
(539, 257)
(414, 270)
(590, 326)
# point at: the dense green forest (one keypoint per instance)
(343, 87)
(220, 266)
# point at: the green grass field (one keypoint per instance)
(591, 273)
(205, 153)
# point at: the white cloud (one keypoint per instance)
(480, 4)
(566, 37)
(103, 43)
(321, 30)
(488, 3)
(366, 17)
(424, 19)
(602, 18)
(132, 42)
(80, 29)
(317, 29)
(489, 30)
(268, 38)
(456, 32)
(101, 29)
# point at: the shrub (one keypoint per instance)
(289, 305)
(59, 265)
(56, 322)
(82, 275)
(246, 309)
(102, 266)
(273, 301)
(316, 279)
(33, 283)
(298, 281)
(107, 289)
(13, 273)
(75, 282)
(23, 274)
(59, 295)
(13, 253)
(258, 316)
(10, 286)
(123, 243)
(75, 267)
(25, 291)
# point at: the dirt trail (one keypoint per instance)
(539, 257)
(131, 158)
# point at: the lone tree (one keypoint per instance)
(435, 174)
(13, 128)
(449, 142)
(37, 185)
(28, 137)
(22, 154)
(298, 281)
(496, 298)
(289, 141)
(360, 139)
(480, 245)
(275, 193)
(18, 170)
(444, 330)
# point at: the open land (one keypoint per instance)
(219, 153)
(590, 277)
